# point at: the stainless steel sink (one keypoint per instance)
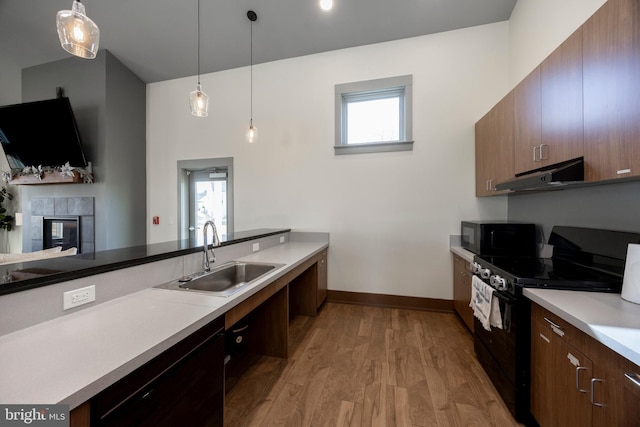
(224, 280)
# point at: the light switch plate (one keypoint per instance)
(256, 247)
(281, 239)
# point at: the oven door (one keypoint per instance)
(503, 353)
(501, 343)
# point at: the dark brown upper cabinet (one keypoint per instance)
(611, 63)
(528, 123)
(548, 110)
(494, 147)
(561, 102)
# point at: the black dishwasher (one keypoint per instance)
(182, 386)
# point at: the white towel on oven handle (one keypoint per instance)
(485, 307)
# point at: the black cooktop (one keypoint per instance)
(583, 259)
(553, 273)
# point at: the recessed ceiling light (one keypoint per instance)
(326, 5)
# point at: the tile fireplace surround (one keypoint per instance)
(81, 207)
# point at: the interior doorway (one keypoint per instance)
(205, 193)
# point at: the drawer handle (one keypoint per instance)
(623, 171)
(578, 369)
(235, 331)
(593, 400)
(545, 339)
(634, 378)
(555, 325)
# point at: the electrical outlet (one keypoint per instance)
(281, 239)
(77, 297)
(256, 247)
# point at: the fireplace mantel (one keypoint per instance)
(47, 178)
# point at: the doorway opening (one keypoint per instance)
(205, 190)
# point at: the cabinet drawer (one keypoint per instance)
(554, 324)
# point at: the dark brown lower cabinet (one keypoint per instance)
(576, 380)
(182, 386)
(462, 290)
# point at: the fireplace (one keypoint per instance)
(63, 231)
(62, 221)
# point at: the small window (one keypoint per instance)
(374, 116)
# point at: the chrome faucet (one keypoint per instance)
(216, 241)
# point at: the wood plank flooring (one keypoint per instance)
(356, 365)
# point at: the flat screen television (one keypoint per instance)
(41, 133)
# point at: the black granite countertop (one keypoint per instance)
(33, 274)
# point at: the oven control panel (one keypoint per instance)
(498, 282)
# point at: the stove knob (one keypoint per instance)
(476, 267)
(485, 273)
(499, 283)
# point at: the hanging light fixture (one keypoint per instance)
(252, 132)
(78, 34)
(326, 5)
(199, 100)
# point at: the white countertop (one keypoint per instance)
(606, 317)
(70, 359)
(462, 252)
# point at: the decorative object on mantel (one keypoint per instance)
(6, 221)
(64, 174)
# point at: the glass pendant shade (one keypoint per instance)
(199, 102)
(78, 34)
(252, 134)
(326, 5)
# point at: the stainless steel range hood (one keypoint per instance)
(560, 174)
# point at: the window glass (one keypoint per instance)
(375, 120)
(374, 116)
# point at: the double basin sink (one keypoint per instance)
(224, 280)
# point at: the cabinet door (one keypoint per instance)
(561, 102)
(572, 383)
(560, 378)
(616, 398)
(611, 91)
(322, 280)
(542, 366)
(462, 291)
(528, 123)
(494, 147)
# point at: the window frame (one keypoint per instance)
(371, 90)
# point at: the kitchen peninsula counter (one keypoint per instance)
(71, 358)
(55, 270)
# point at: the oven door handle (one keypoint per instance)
(504, 298)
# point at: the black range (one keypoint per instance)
(583, 260)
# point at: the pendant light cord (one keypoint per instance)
(251, 71)
(198, 42)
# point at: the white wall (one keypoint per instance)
(389, 214)
(537, 27)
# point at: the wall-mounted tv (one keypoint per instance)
(41, 133)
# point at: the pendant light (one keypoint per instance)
(199, 100)
(78, 34)
(252, 132)
(326, 5)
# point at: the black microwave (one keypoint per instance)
(499, 238)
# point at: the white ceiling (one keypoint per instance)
(157, 39)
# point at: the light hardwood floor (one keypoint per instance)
(368, 366)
